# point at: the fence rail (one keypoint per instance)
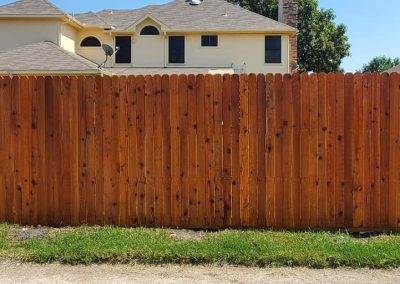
(293, 151)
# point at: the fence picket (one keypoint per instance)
(394, 157)
(279, 151)
(385, 142)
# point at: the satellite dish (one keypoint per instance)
(108, 50)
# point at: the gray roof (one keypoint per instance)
(91, 19)
(44, 57)
(211, 15)
(394, 69)
(30, 7)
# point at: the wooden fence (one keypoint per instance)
(293, 151)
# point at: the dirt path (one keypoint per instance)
(55, 273)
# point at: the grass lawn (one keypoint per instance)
(86, 245)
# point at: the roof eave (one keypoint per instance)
(51, 72)
(247, 31)
(31, 15)
(253, 31)
(100, 27)
(74, 20)
(41, 16)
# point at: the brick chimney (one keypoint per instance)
(288, 14)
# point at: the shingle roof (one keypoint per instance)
(211, 15)
(394, 69)
(46, 57)
(91, 19)
(30, 7)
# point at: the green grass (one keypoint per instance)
(87, 245)
(4, 242)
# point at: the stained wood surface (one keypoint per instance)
(201, 151)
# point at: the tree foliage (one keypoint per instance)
(267, 8)
(380, 64)
(322, 44)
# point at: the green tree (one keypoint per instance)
(268, 8)
(322, 44)
(380, 64)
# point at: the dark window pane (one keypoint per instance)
(176, 48)
(90, 41)
(273, 49)
(124, 54)
(273, 56)
(214, 41)
(149, 30)
(273, 42)
(204, 41)
(209, 41)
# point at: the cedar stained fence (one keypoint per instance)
(297, 151)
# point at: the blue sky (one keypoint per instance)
(373, 25)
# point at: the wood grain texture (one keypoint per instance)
(261, 152)
(305, 150)
(270, 148)
(384, 142)
(235, 112)
(287, 151)
(357, 152)
(394, 144)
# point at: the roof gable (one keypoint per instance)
(145, 18)
(30, 7)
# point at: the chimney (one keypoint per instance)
(288, 14)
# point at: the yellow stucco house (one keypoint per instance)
(182, 36)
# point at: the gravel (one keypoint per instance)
(12, 272)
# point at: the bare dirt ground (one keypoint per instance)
(11, 272)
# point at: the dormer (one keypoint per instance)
(147, 26)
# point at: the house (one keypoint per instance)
(181, 36)
(394, 69)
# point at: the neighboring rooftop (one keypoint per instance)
(179, 15)
(30, 7)
(91, 19)
(44, 57)
(394, 69)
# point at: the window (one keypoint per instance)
(90, 41)
(149, 30)
(273, 49)
(176, 48)
(209, 41)
(124, 54)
